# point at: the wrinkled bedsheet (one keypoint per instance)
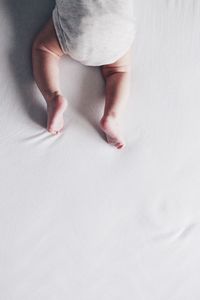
(79, 219)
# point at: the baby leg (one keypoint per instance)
(46, 53)
(117, 79)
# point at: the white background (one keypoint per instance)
(79, 219)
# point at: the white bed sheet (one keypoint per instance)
(78, 219)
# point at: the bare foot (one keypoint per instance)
(111, 128)
(55, 111)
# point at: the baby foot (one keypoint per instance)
(55, 111)
(111, 128)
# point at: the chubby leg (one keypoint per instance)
(46, 53)
(117, 78)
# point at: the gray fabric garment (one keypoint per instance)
(94, 32)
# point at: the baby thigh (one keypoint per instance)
(47, 40)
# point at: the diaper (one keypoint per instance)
(94, 32)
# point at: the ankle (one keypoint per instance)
(49, 96)
(110, 115)
(106, 119)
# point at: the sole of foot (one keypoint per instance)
(111, 128)
(55, 114)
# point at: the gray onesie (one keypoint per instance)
(94, 32)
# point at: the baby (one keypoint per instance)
(95, 33)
